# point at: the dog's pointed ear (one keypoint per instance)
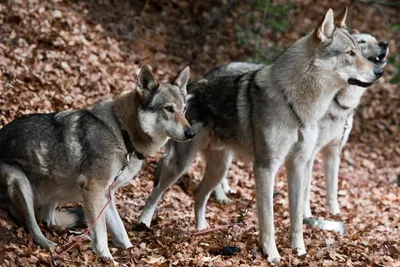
(340, 21)
(354, 31)
(146, 82)
(325, 29)
(182, 79)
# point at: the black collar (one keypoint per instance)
(127, 141)
(340, 105)
(129, 146)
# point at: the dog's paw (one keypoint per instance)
(142, 227)
(230, 191)
(49, 244)
(272, 253)
(202, 225)
(300, 252)
(145, 219)
(223, 200)
(45, 243)
(275, 260)
(334, 208)
(103, 253)
(123, 244)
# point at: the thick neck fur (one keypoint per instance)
(126, 108)
(348, 97)
(309, 87)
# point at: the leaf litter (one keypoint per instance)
(58, 54)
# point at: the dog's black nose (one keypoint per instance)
(378, 72)
(383, 44)
(189, 133)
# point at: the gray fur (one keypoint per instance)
(74, 155)
(268, 116)
(334, 127)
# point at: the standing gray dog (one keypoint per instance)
(334, 127)
(75, 155)
(267, 116)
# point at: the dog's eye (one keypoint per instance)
(362, 42)
(351, 53)
(169, 109)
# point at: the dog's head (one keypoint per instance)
(371, 49)
(338, 51)
(163, 106)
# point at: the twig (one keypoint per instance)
(239, 222)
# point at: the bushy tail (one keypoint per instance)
(69, 218)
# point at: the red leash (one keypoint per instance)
(97, 218)
(128, 158)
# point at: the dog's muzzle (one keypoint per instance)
(380, 59)
(189, 133)
(383, 44)
(378, 73)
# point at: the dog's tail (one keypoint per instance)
(69, 218)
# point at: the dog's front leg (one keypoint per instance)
(297, 177)
(265, 176)
(93, 192)
(116, 227)
(307, 183)
(217, 165)
(220, 195)
(47, 213)
(331, 156)
(176, 159)
(270, 151)
(223, 188)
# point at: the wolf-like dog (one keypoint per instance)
(74, 155)
(334, 127)
(267, 116)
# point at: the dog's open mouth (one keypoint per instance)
(358, 82)
(380, 60)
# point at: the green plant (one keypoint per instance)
(396, 27)
(264, 15)
(395, 60)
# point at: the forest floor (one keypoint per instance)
(59, 54)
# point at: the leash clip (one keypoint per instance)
(127, 159)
